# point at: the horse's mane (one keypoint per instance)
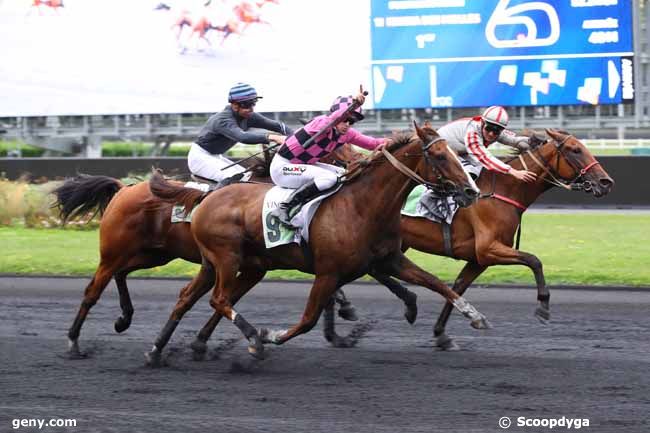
(537, 138)
(399, 140)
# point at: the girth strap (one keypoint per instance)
(446, 237)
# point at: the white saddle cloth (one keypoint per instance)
(275, 232)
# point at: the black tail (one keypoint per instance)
(84, 193)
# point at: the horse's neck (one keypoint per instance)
(384, 186)
(526, 193)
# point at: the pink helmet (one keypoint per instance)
(346, 101)
(496, 115)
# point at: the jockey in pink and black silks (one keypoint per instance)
(295, 166)
(471, 137)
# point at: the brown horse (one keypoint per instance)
(483, 233)
(135, 233)
(354, 232)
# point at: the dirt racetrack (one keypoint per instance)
(591, 362)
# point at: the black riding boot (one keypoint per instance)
(289, 208)
(227, 181)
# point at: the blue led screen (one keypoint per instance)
(463, 53)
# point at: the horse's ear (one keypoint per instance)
(420, 131)
(553, 134)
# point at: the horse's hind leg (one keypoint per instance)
(401, 267)
(191, 293)
(92, 294)
(225, 292)
(409, 298)
(246, 280)
(470, 272)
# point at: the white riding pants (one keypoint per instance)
(289, 175)
(203, 163)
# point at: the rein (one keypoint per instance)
(572, 185)
(410, 173)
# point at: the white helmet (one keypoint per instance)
(496, 115)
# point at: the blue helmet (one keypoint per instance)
(242, 92)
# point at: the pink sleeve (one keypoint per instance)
(355, 137)
(317, 124)
(321, 121)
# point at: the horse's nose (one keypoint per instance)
(606, 183)
(471, 192)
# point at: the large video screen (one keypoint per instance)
(169, 56)
(464, 53)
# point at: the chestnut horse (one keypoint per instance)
(353, 232)
(483, 233)
(136, 232)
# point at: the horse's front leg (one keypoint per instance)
(401, 267)
(123, 322)
(321, 292)
(470, 272)
(409, 298)
(498, 253)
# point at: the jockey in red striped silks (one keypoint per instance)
(471, 137)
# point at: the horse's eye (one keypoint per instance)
(441, 157)
(577, 150)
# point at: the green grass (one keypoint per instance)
(593, 249)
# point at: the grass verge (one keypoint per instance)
(591, 249)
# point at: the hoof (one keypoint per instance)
(343, 342)
(481, 323)
(349, 313)
(444, 342)
(74, 352)
(411, 313)
(267, 336)
(256, 348)
(199, 349)
(543, 314)
(122, 324)
(153, 359)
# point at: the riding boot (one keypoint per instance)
(288, 209)
(346, 309)
(227, 181)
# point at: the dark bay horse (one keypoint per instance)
(354, 232)
(135, 233)
(483, 234)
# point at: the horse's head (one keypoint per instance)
(442, 169)
(575, 164)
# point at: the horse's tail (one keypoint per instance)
(169, 193)
(85, 193)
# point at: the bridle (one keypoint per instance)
(442, 186)
(553, 177)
